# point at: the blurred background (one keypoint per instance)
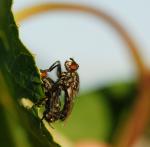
(107, 72)
(93, 44)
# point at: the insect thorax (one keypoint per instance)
(69, 79)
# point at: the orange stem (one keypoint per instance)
(134, 125)
(34, 10)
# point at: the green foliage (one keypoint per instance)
(19, 77)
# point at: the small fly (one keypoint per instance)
(68, 82)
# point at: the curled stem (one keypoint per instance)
(134, 126)
(34, 10)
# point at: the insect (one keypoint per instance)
(68, 82)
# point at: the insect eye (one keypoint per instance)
(43, 74)
(71, 65)
(74, 66)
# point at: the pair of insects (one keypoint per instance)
(68, 82)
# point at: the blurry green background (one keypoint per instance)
(97, 114)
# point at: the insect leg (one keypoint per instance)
(58, 65)
(41, 123)
(51, 67)
(40, 102)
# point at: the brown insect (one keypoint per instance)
(68, 81)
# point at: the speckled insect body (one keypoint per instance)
(68, 82)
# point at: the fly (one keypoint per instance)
(68, 82)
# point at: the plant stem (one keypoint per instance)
(134, 126)
(34, 10)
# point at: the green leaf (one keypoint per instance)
(19, 77)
